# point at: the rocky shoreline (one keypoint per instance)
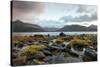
(46, 49)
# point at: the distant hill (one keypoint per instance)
(78, 28)
(93, 27)
(19, 26)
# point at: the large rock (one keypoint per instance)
(47, 52)
(90, 55)
(19, 61)
(73, 60)
(38, 62)
(62, 59)
(39, 55)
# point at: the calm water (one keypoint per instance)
(51, 33)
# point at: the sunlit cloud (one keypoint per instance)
(26, 11)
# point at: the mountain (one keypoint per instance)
(19, 26)
(93, 26)
(78, 28)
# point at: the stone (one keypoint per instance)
(73, 60)
(90, 55)
(39, 55)
(19, 61)
(61, 59)
(47, 52)
(38, 62)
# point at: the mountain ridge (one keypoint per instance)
(19, 26)
(78, 28)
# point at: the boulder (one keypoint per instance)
(90, 55)
(47, 52)
(19, 61)
(62, 59)
(38, 62)
(39, 55)
(73, 60)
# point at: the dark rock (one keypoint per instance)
(90, 55)
(54, 59)
(61, 59)
(90, 52)
(47, 52)
(61, 34)
(39, 55)
(73, 54)
(73, 60)
(19, 61)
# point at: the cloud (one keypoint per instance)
(86, 8)
(28, 6)
(26, 9)
(81, 13)
(48, 14)
(82, 18)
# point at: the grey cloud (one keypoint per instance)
(86, 8)
(83, 18)
(83, 13)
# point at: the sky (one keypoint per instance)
(56, 15)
